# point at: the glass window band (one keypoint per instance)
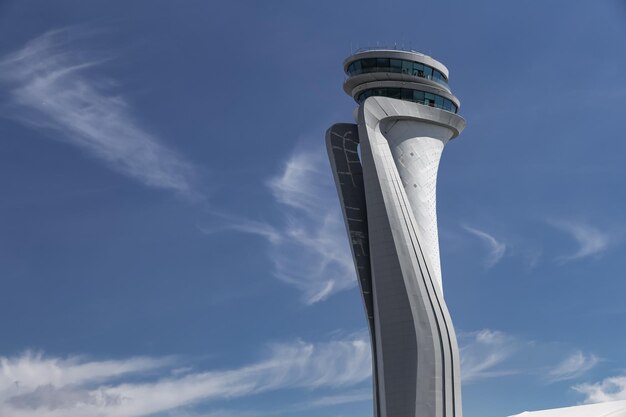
(408, 94)
(400, 66)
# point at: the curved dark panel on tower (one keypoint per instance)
(342, 141)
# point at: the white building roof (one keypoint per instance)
(610, 409)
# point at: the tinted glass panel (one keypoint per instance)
(418, 70)
(429, 99)
(394, 93)
(368, 64)
(382, 62)
(407, 67)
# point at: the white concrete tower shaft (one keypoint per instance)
(406, 115)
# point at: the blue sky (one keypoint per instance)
(170, 236)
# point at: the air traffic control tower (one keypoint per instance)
(405, 116)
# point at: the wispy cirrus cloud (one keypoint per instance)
(574, 366)
(609, 389)
(323, 401)
(52, 87)
(263, 229)
(32, 385)
(343, 398)
(484, 352)
(489, 354)
(305, 182)
(591, 241)
(32, 370)
(496, 249)
(310, 249)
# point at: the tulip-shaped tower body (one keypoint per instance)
(406, 115)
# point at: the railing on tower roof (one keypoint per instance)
(385, 48)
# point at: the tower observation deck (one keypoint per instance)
(402, 75)
(406, 114)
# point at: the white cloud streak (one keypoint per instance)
(310, 250)
(591, 241)
(262, 229)
(490, 353)
(574, 366)
(324, 401)
(52, 87)
(304, 181)
(344, 398)
(496, 249)
(32, 370)
(483, 353)
(34, 386)
(609, 389)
